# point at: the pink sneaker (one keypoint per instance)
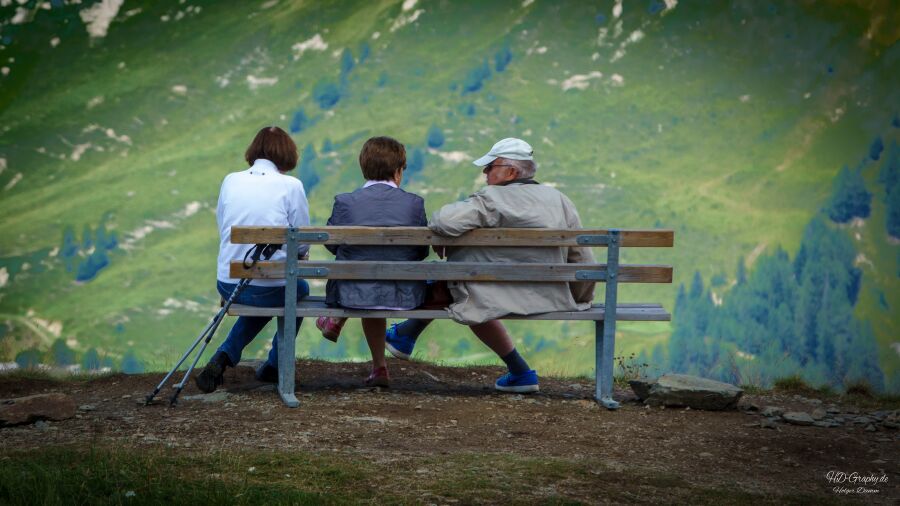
(379, 378)
(330, 327)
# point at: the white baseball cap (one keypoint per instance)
(510, 148)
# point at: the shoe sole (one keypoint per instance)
(206, 382)
(331, 336)
(383, 383)
(521, 389)
(395, 352)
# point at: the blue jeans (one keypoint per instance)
(246, 327)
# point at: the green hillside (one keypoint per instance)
(726, 122)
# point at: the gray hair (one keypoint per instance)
(524, 168)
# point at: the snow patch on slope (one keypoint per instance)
(98, 17)
(314, 43)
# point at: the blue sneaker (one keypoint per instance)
(518, 383)
(399, 345)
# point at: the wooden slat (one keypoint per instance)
(454, 271)
(307, 308)
(423, 236)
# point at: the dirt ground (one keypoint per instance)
(432, 411)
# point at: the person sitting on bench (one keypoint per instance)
(379, 203)
(261, 195)
(512, 199)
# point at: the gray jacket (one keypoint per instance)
(514, 206)
(379, 205)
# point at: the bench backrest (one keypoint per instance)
(611, 271)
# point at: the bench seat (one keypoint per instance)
(315, 306)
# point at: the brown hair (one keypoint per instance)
(275, 145)
(381, 157)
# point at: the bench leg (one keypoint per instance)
(286, 365)
(287, 325)
(603, 367)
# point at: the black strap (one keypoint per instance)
(260, 250)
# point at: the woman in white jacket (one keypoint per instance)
(262, 195)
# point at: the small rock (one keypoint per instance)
(87, 407)
(832, 410)
(586, 404)
(818, 414)
(772, 411)
(575, 386)
(41, 425)
(25, 410)
(517, 397)
(704, 454)
(863, 420)
(824, 423)
(798, 418)
(879, 461)
(870, 428)
(685, 390)
(219, 396)
(766, 423)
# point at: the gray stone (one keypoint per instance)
(818, 414)
(772, 411)
(25, 410)
(87, 407)
(765, 423)
(833, 410)
(862, 420)
(219, 396)
(798, 418)
(870, 428)
(41, 425)
(826, 423)
(684, 390)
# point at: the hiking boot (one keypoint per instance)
(399, 345)
(379, 378)
(518, 383)
(330, 327)
(267, 373)
(212, 375)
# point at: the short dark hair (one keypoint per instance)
(380, 158)
(275, 145)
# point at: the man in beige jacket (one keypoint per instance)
(512, 199)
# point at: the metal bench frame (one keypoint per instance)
(605, 321)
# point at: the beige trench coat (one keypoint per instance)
(516, 205)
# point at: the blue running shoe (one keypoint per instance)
(518, 383)
(399, 345)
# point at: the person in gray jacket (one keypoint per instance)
(379, 203)
(512, 199)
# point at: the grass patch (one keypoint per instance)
(157, 476)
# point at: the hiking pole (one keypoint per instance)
(149, 399)
(264, 250)
(214, 325)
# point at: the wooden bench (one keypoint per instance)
(611, 272)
